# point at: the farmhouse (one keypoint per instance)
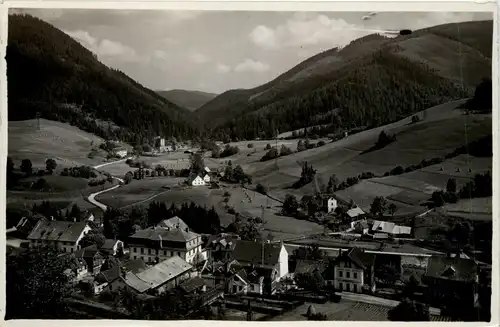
(92, 257)
(355, 212)
(452, 279)
(251, 281)
(156, 244)
(389, 228)
(120, 152)
(354, 271)
(26, 224)
(220, 247)
(157, 279)
(269, 256)
(112, 247)
(63, 235)
(77, 267)
(195, 180)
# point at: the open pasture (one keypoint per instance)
(137, 191)
(67, 144)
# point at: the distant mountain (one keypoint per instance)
(51, 73)
(372, 81)
(190, 100)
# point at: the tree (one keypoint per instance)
(392, 209)
(451, 186)
(312, 281)
(36, 285)
(438, 198)
(26, 167)
(51, 165)
(378, 206)
(290, 205)
(388, 274)
(408, 310)
(300, 146)
(93, 238)
(332, 184)
(261, 188)
(197, 163)
(268, 147)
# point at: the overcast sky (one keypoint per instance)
(216, 51)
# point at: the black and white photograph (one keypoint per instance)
(249, 165)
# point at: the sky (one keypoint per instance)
(214, 51)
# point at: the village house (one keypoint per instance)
(195, 180)
(251, 281)
(157, 279)
(106, 278)
(390, 228)
(355, 212)
(354, 271)
(26, 224)
(195, 285)
(93, 257)
(63, 235)
(331, 204)
(220, 247)
(156, 244)
(359, 227)
(121, 152)
(206, 179)
(112, 247)
(77, 268)
(272, 257)
(452, 279)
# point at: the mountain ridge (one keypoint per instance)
(189, 99)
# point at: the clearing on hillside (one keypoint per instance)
(67, 144)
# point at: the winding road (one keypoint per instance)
(92, 196)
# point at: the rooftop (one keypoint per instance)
(164, 234)
(53, 230)
(248, 252)
(452, 268)
(157, 275)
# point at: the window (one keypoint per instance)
(71, 250)
(142, 250)
(348, 287)
(340, 273)
(341, 286)
(135, 257)
(149, 251)
(355, 275)
(134, 249)
(355, 287)
(179, 254)
(348, 274)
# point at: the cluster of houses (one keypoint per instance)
(206, 178)
(171, 255)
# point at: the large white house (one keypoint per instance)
(170, 238)
(63, 235)
(196, 180)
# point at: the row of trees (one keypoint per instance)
(120, 223)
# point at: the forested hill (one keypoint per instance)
(50, 73)
(372, 81)
(190, 100)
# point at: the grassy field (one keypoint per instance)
(67, 144)
(438, 134)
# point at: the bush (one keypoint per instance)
(250, 145)
(261, 189)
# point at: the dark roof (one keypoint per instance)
(173, 223)
(226, 240)
(109, 244)
(359, 257)
(27, 224)
(248, 252)
(107, 276)
(192, 284)
(88, 252)
(308, 266)
(54, 230)
(455, 268)
(135, 265)
(164, 234)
